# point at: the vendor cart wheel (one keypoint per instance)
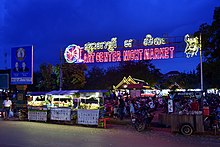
(186, 129)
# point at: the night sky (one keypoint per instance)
(50, 25)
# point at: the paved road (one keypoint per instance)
(28, 134)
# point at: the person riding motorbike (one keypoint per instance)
(142, 118)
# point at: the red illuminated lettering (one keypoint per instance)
(125, 55)
(101, 56)
(118, 56)
(162, 50)
(114, 56)
(106, 57)
(171, 52)
(97, 57)
(140, 51)
(130, 55)
(166, 53)
(146, 54)
(89, 58)
(151, 54)
(156, 53)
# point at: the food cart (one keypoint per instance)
(187, 123)
(68, 106)
(88, 112)
(183, 120)
(75, 105)
(61, 104)
(37, 106)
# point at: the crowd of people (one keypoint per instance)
(124, 107)
(212, 102)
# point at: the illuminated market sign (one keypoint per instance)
(108, 51)
(192, 46)
(109, 45)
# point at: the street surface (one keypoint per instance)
(40, 134)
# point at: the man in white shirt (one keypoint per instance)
(7, 105)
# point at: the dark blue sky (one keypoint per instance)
(53, 24)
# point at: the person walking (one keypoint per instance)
(131, 105)
(121, 107)
(115, 109)
(7, 106)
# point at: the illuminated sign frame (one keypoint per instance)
(153, 48)
(192, 46)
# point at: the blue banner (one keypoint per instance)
(22, 65)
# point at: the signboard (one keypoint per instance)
(108, 51)
(4, 81)
(37, 115)
(135, 93)
(63, 114)
(88, 117)
(22, 65)
(170, 106)
(186, 94)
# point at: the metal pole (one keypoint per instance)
(201, 70)
(61, 73)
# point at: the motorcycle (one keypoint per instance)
(142, 119)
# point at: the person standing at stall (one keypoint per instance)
(115, 109)
(7, 106)
(131, 105)
(195, 105)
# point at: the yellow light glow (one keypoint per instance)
(149, 40)
(128, 43)
(109, 45)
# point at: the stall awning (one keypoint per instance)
(37, 93)
(89, 91)
(62, 92)
(69, 92)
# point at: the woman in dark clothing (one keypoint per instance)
(121, 108)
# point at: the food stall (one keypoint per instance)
(88, 112)
(68, 105)
(79, 106)
(37, 106)
(61, 104)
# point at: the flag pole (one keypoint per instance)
(201, 70)
(61, 73)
